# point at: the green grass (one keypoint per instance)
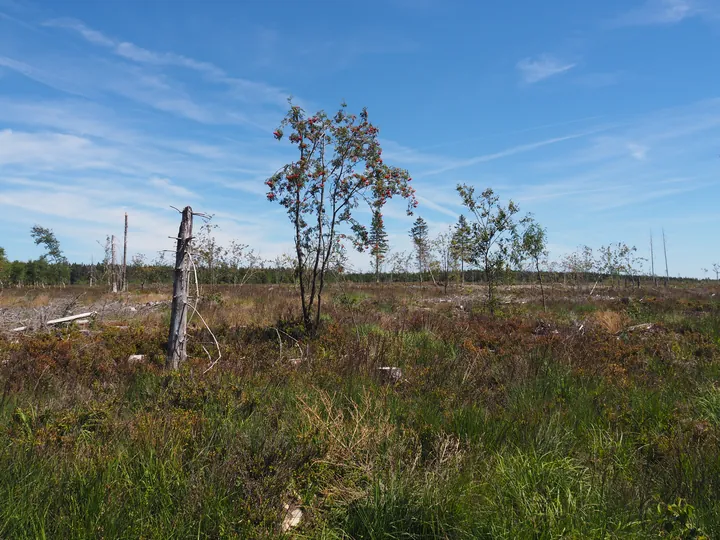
(494, 432)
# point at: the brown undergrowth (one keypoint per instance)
(598, 418)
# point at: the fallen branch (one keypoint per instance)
(70, 318)
(73, 317)
(593, 289)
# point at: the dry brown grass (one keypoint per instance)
(609, 321)
(31, 301)
(150, 297)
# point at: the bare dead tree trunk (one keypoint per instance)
(667, 272)
(113, 266)
(652, 260)
(177, 341)
(124, 262)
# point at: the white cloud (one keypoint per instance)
(638, 151)
(533, 70)
(166, 186)
(663, 12)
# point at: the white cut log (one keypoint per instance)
(19, 329)
(644, 327)
(73, 317)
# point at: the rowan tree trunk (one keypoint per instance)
(177, 340)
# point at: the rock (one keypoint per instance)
(136, 358)
(293, 517)
(390, 374)
(295, 361)
(132, 308)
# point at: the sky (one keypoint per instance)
(600, 118)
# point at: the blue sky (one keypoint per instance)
(601, 118)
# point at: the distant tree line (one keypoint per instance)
(450, 258)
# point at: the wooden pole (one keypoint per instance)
(652, 260)
(113, 265)
(124, 262)
(177, 341)
(667, 272)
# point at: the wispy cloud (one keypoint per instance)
(533, 70)
(663, 12)
(651, 159)
(166, 185)
(462, 163)
(427, 203)
(205, 93)
(51, 151)
(246, 89)
(93, 36)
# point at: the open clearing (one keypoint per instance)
(598, 418)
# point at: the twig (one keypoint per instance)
(297, 343)
(279, 340)
(593, 289)
(207, 327)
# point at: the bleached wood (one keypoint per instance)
(177, 340)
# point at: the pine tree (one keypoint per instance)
(462, 244)
(421, 243)
(377, 239)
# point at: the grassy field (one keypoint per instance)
(575, 423)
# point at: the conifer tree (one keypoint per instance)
(421, 243)
(377, 239)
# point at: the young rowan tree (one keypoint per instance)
(533, 245)
(340, 163)
(138, 264)
(495, 233)
(399, 263)
(208, 253)
(421, 244)
(447, 259)
(378, 242)
(242, 262)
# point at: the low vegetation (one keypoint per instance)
(597, 418)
